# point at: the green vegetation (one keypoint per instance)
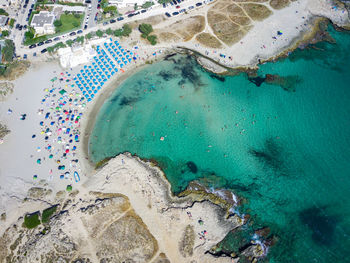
(109, 32)
(147, 4)
(12, 22)
(5, 33)
(80, 39)
(8, 50)
(135, 6)
(3, 12)
(31, 221)
(104, 4)
(146, 30)
(152, 39)
(125, 31)
(88, 36)
(47, 213)
(57, 23)
(111, 9)
(69, 188)
(99, 33)
(31, 16)
(30, 41)
(102, 163)
(164, 1)
(68, 22)
(69, 42)
(69, 3)
(55, 47)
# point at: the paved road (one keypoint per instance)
(92, 22)
(154, 10)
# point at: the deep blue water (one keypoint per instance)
(283, 148)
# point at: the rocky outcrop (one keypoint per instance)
(94, 230)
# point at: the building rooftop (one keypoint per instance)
(43, 18)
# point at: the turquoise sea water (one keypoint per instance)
(286, 152)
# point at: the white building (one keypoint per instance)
(127, 3)
(43, 23)
(72, 57)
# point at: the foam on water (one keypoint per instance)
(284, 148)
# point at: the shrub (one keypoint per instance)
(29, 35)
(8, 50)
(5, 33)
(147, 4)
(126, 30)
(31, 221)
(146, 29)
(3, 12)
(152, 39)
(12, 22)
(47, 213)
(109, 32)
(99, 33)
(57, 23)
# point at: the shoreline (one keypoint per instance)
(93, 109)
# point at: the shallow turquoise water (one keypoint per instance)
(287, 153)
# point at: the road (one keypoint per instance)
(92, 27)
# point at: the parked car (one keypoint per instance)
(112, 21)
(120, 18)
(175, 13)
(40, 44)
(25, 56)
(167, 14)
(105, 23)
(79, 31)
(131, 15)
(56, 39)
(32, 46)
(190, 7)
(20, 27)
(72, 34)
(48, 41)
(143, 11)
(43, 51)
(182, 10)
(177, 7)
(34, 54)
(85, 27)
(199, 4)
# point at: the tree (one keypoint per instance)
(80, 39)
(3, 12)
(104, 3)
(76, 23)
(146, 29)
(164, 1)
(152, 39)
(8, 50)
(135, 6)
(109, 32)
(99, 33)
(110, 9)
(29, 34)
(5, 33)
(118, 32)
(76, 15)
(126, 30)
(57, 23)
(69, 42)
(88, 36)
(147, 4)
